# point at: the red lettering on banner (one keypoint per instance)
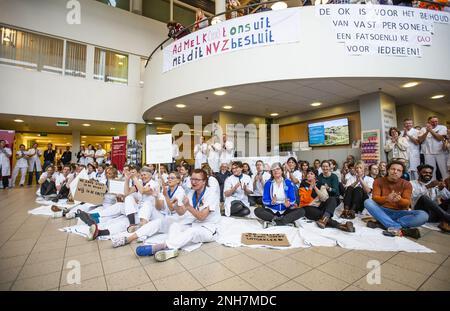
(225, 45)
(204, 37)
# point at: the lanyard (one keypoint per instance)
(196, 201)
(172, 194)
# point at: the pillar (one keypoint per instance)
(136, 6)
(131, 131)
(220, 7)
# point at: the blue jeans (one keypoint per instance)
(396, 219)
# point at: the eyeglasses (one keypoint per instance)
(196, 179)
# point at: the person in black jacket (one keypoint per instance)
(221, 175)
(66, 156)
(49, 156)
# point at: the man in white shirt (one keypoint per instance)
(21, 165)
(100, 154)
(412, 137)
(259, 180)
(432, 137)
(236, 190)
(175, 155)
(426, 196)
(227, 153)
(200, 151)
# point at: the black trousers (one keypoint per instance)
(324, 209)
(289, 215)
(239, 209)
(5, 181)
(354, 198)
(435, 212)
(255, 200)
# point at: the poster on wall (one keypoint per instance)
(9, 137)
(119, 151)
(383, 30)
(251, 31)
(370, 146)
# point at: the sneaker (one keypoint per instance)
(411, 232)
(119, 241)
(267, 224)
(144, 250)
(166, 254)
(393, 232)
(57, 214)
(70, 215)
(93, 232)
(132, 228)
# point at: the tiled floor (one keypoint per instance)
(34, 255)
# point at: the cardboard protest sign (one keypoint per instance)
(90, 191)
(270, 239)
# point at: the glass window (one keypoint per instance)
(75, 59)
(110, 66)
(30, 50)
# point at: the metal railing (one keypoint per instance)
(255, 5)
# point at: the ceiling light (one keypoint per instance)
(181, 106)
(113, 128)
(316, 104)
(86, 124)
(227, 107)
(158, 118)
(438, 96)
(120, 63)
(274, 114)
(18, 121)
(220, 93)
(410, 84)
(83, 136)
(83, 142)
(280, 5)
(149, 123)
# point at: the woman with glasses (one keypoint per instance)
(236, 190)
(201, 212)
(279, 200)
(168, 201)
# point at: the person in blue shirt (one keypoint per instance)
(279, 208)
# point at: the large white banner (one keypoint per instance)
(158, 149)
(267, 28)
(382, 29)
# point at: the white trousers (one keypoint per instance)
(438, 160)
(116, 225)
(23, 173)
(181, 235)
(158, 225)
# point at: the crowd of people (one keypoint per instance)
(187, 201)
(234, 10)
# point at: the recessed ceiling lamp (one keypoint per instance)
(410, 84)
(180, 106)
(274, 114)
(158, 118)
(18, 121)
(438, 96)
(227, 107)
(86, 124)
(280, 5)
(83, 136)
(220, 93)
(316, 104)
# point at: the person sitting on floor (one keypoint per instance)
(357, 190)
(391, 198)
(426, 196)
(279, 200)
(201, 213)
(259, 180)
(236, 190)
(317, 205)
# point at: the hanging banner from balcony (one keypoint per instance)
(382, 29)
(262, 29)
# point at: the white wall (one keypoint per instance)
(317, 55)
(101, 25)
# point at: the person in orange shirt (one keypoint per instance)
(391, 201)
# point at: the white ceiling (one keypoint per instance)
(291, 97)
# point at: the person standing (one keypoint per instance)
(396, 146)
(66, 156)
(227, 153)
(5, 165)
(412, 137)
(200, 150)
(49, 156)
(214, 156)
(89, 154)
(21, 165)
(34, 163)
(100, 154)
(432, 138)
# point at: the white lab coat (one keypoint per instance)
(34, 160)
(227, 154)
(5, 156)
(214, 156)
(200, 151)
